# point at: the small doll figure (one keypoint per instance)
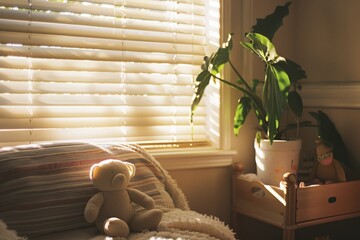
(326, 169)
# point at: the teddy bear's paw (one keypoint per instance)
(115, 227)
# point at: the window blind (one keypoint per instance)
(107, 70)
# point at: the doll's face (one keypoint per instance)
(324, 154)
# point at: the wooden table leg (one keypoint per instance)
(288, 234)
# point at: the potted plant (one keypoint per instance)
(279, 90)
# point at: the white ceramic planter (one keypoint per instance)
(272, 161)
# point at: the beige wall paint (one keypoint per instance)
(327, 45)
(323, 37)
(208, 190)
(327, 39)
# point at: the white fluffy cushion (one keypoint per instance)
(6, 234)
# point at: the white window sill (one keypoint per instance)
(193, 158)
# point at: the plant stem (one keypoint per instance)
(232, 84)
(261, 111)
(297, 127)
(239, 75)
(288, 128)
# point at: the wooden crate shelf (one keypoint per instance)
(291, 207)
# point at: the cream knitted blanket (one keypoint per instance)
(6, 234)
(181, 225)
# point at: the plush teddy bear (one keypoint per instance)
(111, 208)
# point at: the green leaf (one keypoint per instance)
(206, 62)
(271, 23)
(263, 47)
(202, 81)
(258, 137)
(275, 94)
(221, 57)
(276, 88)
(294, 70)
(242, 110)
(295, 103)
(254, 84)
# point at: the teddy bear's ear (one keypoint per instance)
(93, 170)
(131, 168)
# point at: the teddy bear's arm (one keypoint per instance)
(93, 206)
(141, 198)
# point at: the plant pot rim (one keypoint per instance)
(281, 140)
(290, 144)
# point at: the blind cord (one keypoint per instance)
(30, 73)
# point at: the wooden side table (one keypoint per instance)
(291, 208)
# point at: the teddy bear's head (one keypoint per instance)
(111, 174)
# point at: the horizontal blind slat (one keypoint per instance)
(196, 2)
(7, 74)
(47, 53)
(80, 20)
(183, 6)
(92, 133)
(113, 32)
(96, 10)
(148, 143)
(94, 88)
(87, 99)
(66, 48)
(96, 111)
(81, 122)
(92, 65)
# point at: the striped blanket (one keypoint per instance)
(44, 187)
